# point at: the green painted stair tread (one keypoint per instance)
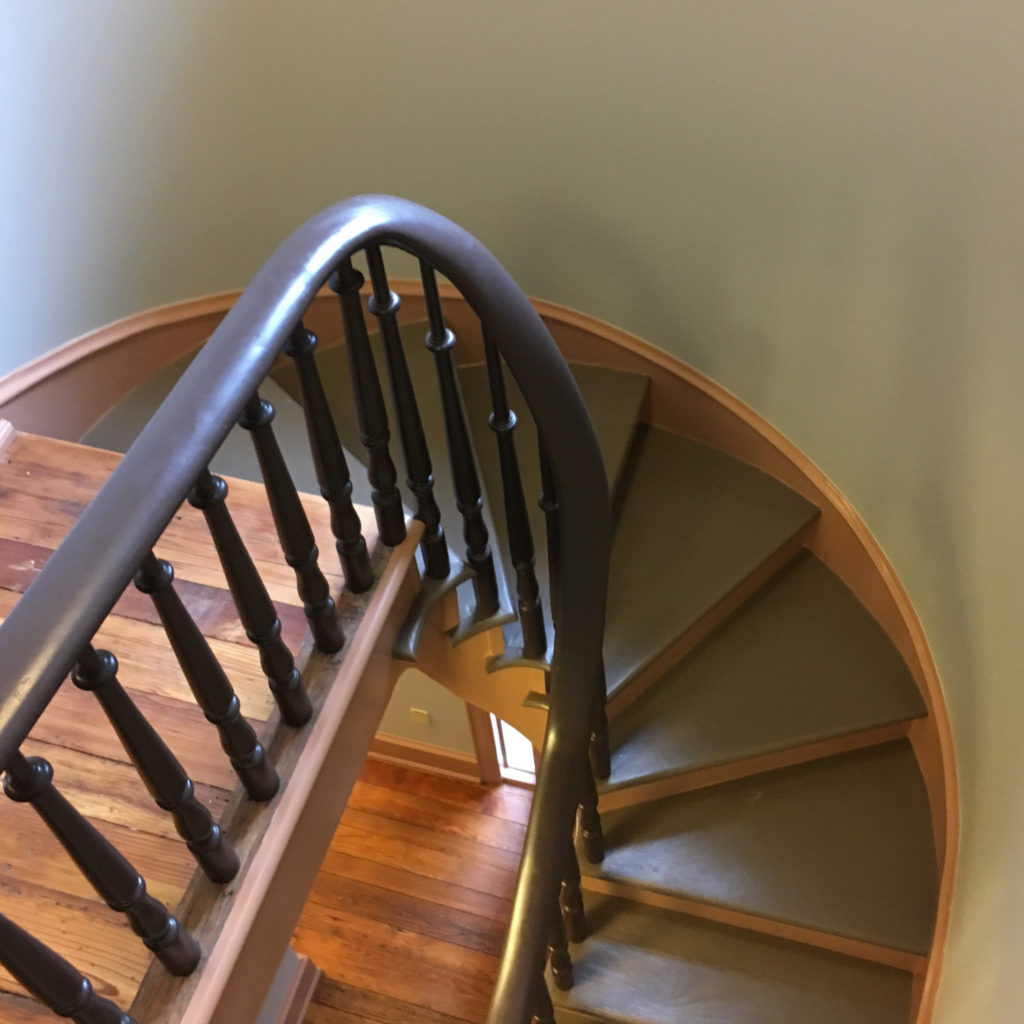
(692, 525)
(122, 424)
(644, 964)
(801, 661)
(841, 845)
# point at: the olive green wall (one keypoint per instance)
(821, 205)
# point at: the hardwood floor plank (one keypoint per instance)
(401, 880)
(438, 816)
(509, 802)
(407, 920)
(338, 1003)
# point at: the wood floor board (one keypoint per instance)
(424, 812)
(338, 1003)
(409, 932)
(409, 913)
(512, 803)
(403, 881)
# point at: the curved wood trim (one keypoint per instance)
(64, 392)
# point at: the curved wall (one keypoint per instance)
(818, 205)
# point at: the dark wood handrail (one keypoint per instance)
(53, 622)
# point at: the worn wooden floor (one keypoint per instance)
(409, 912)
(44, 485)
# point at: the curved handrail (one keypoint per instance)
(59, 613)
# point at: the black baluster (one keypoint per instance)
(30, 780)
(255, 609)
(520, 539)
(384, 305)
(590, 830)
(559, 956)
(600, 744)
(549, 505)
(52, 980)
(440, 340)
(329, 461)
(570, 900)
(213, 692)
(159, 769)
(545, 1012)
(293, 529)
(370, 411)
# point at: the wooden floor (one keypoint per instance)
(409, 912)
(44, 485)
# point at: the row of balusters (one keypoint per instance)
(56, 982)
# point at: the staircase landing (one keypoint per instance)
(44, 485)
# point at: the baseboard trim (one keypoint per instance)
(440, 760)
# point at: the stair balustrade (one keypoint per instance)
(440, 341)
(517, 520)
(30, 780)
(384, 305)
(293, 529)
(330, 463)
(160, 771)
(369, 403)
(209, 685)
(256, 611)
(50, 632)
(53, 980)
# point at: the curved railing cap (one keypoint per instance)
(61, 610)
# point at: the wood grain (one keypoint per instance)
(409, 911)
(44, 485)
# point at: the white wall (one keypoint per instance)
(819, 204)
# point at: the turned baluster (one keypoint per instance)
(293, 529)
(440, 340)
(384, 305)
(52, 980)
(369, 402)
(545, 1012)
(549, 506)
(212, 690)
(30, 780)
(329, 461)
(600, 744)
(590, 831)
(159, 769)
(520, 538)
(570, 900)
(558, 955)
(255, 609)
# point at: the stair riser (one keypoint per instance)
(910, 962)
(687, 782)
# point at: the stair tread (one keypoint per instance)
(802, 661)
(693, 524)
(842, 845)
(646, 964)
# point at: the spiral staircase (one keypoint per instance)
(779, 818)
